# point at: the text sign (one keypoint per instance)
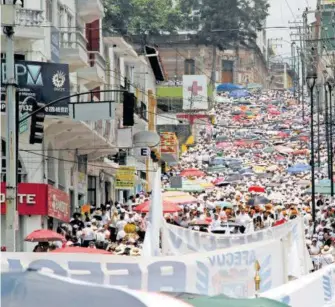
(145, 152)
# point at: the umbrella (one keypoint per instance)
(258, 200)
(168, 207)
(268, 149)
(239, 93)
(192, 172)
(44, 235)
(223, 204)
(31, 289)
(80, 250)
(227, 87)
(256, 189)
(254, 86)
(222, 300)
(299, 168)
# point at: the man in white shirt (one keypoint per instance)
(88, 235)
(120, 226)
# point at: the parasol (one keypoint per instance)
(44, 235)
(168, 207)
(80, 250)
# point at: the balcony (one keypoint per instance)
(90, 10)
(28, 28)
(94, 75)
(73, 50)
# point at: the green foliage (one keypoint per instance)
(226, 23)
(141, 17)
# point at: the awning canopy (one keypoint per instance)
(155, 62)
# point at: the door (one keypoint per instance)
(227, 71)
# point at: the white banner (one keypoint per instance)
(230, 271)
(195, 95)
(179, 241)
(315, 289)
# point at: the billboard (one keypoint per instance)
(195, 96)
(44, 81)
(169, 143)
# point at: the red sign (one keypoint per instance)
(58, 204)
(31, 198)
(39, 199)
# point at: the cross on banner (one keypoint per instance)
(194, 89)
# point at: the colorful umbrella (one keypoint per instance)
(168, 207)
(44, 235)
(80, 250)
(192, 172)
(256, 189)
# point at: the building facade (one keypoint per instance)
(75, 163)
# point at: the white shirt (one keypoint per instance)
(120, 225)
(88, 234)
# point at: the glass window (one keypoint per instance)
(189, 67)
(48, 10)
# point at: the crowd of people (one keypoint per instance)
(252, 164)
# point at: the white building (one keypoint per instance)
(72, 163)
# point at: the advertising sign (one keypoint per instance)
(58, 204)
(125, 177)
(44, 81)
(32, 198)
(195, 96)
(169, 143)
(208, 273)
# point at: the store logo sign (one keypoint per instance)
(34, 75)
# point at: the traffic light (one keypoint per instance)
(37, 123)
(163, 167)
(128, 109)
(154, 155)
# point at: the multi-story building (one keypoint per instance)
(74, 164)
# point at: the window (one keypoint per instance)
(82, 164)
(61, 12)
(69, 22)
(91, 189)
(48, 10)
(189, 67)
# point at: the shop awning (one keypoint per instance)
(155, 62)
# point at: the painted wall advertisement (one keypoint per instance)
(125, 178)
(169, 143)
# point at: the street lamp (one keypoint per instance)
(318, 87)
(330, 83)
(311, 79)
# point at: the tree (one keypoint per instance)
(227, 23)
(142, 17)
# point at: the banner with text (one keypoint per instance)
(316, 289)
(180, 241)
(125, 178)
(229, 271)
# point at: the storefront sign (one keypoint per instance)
(31, 198)
(81, 184)
(125, 178)
(58, 204)
(44, 81)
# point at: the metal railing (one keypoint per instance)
(29, 17)
(73, 39)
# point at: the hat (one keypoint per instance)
(326, 250)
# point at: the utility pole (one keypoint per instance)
(11, 141)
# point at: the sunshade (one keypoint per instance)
(257, 189)
(44, 235)
(207, 185)
(183, 198)
(224, 301)
(258, 200)
(227, 87)
(223, 204)
(80, 250)
(299, 168)
(168, 207)
(192, 172)
(31, 289)
(239, 93)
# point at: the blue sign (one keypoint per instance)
(55, 41)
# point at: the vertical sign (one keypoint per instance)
(195, 96)
(55, 40)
